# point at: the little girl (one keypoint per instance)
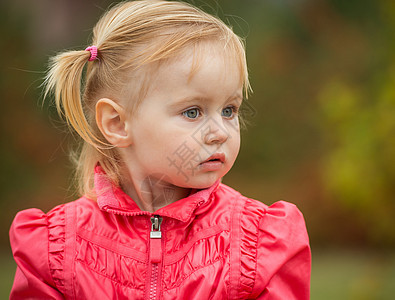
(159, 121)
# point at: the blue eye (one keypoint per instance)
(228, 112)
(192, 113)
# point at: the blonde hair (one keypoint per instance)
(128, 37)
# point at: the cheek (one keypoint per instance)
(235, 145)
(234, 135)
(165, 142)
(152, 133)
(235, 124)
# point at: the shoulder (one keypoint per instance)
(31, 223)
(258, 212)
(264, 239)
(33, 219)
(283, 258)
(280, 222)
(38, 239)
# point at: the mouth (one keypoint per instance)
(215, 158)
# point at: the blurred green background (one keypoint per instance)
(321, 132)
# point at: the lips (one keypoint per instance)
(216, 157)
(214, 163)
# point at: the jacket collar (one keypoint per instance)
(113, 199)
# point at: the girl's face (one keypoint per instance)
(186, 130)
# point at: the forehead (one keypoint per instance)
(192, 58)
(215, 80)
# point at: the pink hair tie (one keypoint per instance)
(93, 51)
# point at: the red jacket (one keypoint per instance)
(214, 244)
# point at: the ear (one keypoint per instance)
(111, 120)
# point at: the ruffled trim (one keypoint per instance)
(268, 237)
(56, 220)
(282, 240)
(249, 223)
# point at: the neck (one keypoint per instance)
(152, 193)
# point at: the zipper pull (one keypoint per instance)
(156, 239)
(155, 228)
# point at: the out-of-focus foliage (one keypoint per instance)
(357, 118)
(322, 126)
(359, 169)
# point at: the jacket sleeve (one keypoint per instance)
(29, 243)
(283, 255)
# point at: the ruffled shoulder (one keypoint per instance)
(38, 242)
(56, 219)
(270, 238)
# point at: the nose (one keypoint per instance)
(216, 133)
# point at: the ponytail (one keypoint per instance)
(64, 79)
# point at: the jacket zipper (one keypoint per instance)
(155, 254)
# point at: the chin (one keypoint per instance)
(202, 182)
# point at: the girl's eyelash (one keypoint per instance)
(234, 108)
(185, 113)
